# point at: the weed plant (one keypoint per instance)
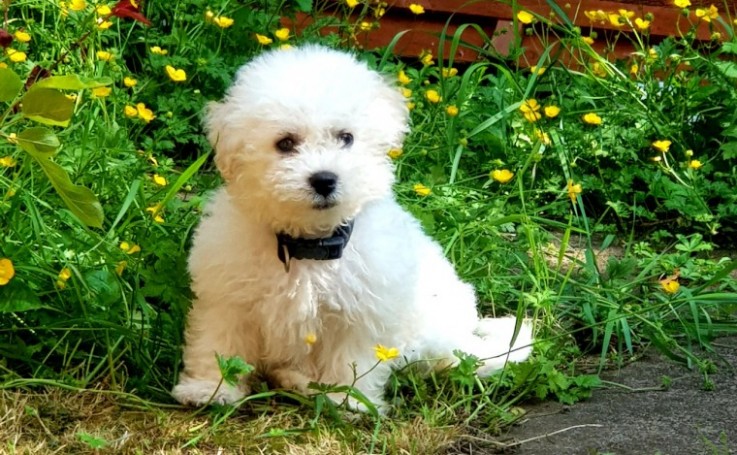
(592, 194)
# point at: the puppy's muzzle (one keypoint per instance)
(324, 183)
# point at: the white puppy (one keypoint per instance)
(304, 262)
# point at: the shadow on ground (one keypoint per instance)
(636, 418)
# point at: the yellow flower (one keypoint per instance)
(670, 285)
(222, 21)
(525, 17)
(662, 145)
(159, 180)
(65, 274)
(688, 153)
(130, 111)
(501, 175)
(416, 9)
(101, 92)
(103, 24)
(406, 92)
(77, 5)
(144, 113)
(263, 40)
(634, 69)
(13, 138)
(449, 72)
(682, 3)
(16, 56)
(433, 96)
(421, 189)
(410, 105)
(129, 81)
(652, 53)
(7, 272)
(426, 58)
(615, 19)
(176, 75)
(395, 153)
(588, 40)
(695, 164)
(642, 24)
(539, 71)
(403, 78)
(573, 190)
(451, 110)
(592, 119)
(120, 267)
(154, 211)
(22, 36)
(707, 15)
(310, 339)
(384, 354)
(543, 136)
(365, 26)
(103, 10)
(351, 3)
(597, 15)
(104, 56)
(529, 109)
(598, 70)
(158, 51)
(551, 111)
(379, 12)
(282, 34)
(7, 161)
(128, 248)
(627, 14)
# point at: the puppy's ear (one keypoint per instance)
(217, 125)
(390, 115)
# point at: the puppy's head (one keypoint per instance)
(302, 135)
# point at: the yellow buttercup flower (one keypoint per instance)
(426, 58)
(707, 15)
(16, 56)
(634, 69)
(365, 26)
(433, 96)
(403, 78)
(406, 92)
(159, 180)
(282, 34)
(670, 285)
(384, 354)
(416, 9)
(7, 271)
(129, 82)
(588, 40)
(530, 110)
(223, 21)
(573, 190)
(176, 75)
(7, 161)
(77, 5)
(101, 92)
(104, 56)
(263, 40)
(501, 175)
(154, 211)
(144, 113)
(661, 145)
(592, 119)
(22, 36)
(695, 164)
(551, 111)
(615, 19)
(642, 24)
(351, 3)
(682, 3)
(395, 153)
(543, 136)
(525, 17)
(103, 10)
(448, 72)
(128, 248)
(65, 274)
(452, 110)
(158, 50)
(120, 267)
(103, 24)
(421, 190)
(130, 111)
(626, 13)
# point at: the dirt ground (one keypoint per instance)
(638, 416)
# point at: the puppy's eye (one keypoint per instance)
(345, 138)
(286, 145)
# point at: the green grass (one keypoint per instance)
(607, 242)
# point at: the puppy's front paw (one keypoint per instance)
(193, 392)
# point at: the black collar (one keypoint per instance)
(323, 249)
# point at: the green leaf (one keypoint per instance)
(10, 85)
(80, 200)
(304, 6)
(105, 287)
(17, 297)
(729, 47)
(232, 368)
(47, 106)
(39, 141)
(72, 82)
(729, 69)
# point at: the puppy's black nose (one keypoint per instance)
(324, 182)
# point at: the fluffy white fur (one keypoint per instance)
(393, 286)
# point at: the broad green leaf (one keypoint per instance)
(105, 287)
(729, 69)
(47, 106)
(10, 85)
(304, 6)
(38, 141)
(16, 297)
(72, 82)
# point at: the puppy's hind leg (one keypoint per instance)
(496, 336)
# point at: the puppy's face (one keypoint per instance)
(301, 138)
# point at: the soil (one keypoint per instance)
(635, 414)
